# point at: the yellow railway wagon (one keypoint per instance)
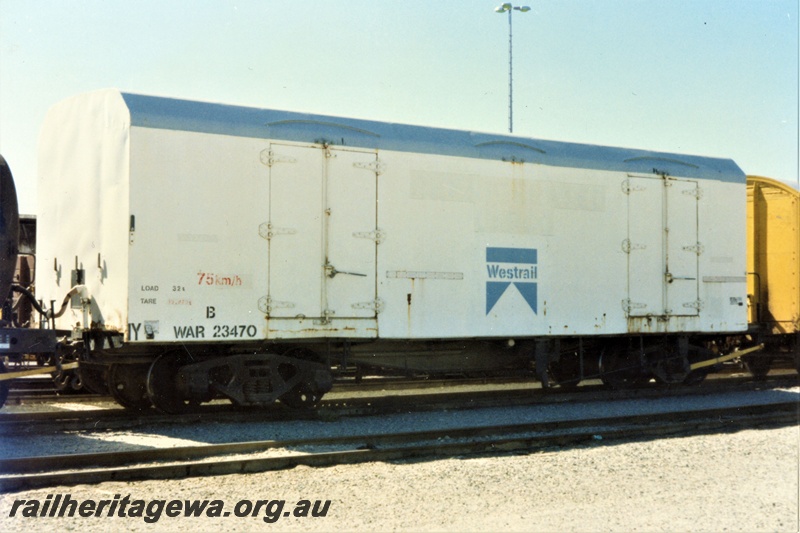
(773, 271)
(773, 255)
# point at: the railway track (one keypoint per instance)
(348, 404)
(41, 391)
(192, 461)
(38, 390)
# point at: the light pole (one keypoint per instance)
(508, 8)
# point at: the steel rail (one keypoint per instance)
(43, 391)
(17, 474)
(116, 418)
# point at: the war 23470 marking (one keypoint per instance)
(234, 331)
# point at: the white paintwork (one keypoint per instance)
(236, 237)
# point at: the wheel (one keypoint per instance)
(126, 384)
(94, 378)
(302, 396)
(619, 368)
(758, 366)
(161, 386)
(566, 372)
(3, 386)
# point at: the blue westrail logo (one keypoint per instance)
(511, 266)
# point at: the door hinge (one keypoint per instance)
(376, 305)
(696, 248)
(377, 235)
(627, 188)
(266, 304)
(267, 231)
(629, 305)
(697, 305)
(376, 166)
(268, 158)
(628, 246)
(697, 192)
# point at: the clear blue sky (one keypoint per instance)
(706, 77)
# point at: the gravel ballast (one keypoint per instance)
(24, 444)
(744, 481)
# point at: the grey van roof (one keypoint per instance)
(187, 115)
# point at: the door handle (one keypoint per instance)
(670, 278)
(331, 272)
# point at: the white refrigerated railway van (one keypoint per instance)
(191, 222)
